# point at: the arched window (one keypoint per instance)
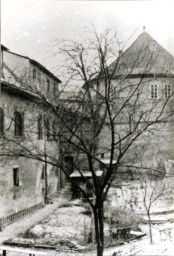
(40, 127)
(18, 124)
(1, 121)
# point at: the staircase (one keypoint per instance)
(66, 192)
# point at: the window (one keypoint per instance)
(18, 124)
(43, 172)
(1, 121)
(47, 125)
(48, 85)
(55, 130)
(154, 92)
(102, 155)
(16, 177)
(39, 78)
(167, 91)
(55, 89)
(34, 76)
(40, 127)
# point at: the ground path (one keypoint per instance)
(22, 225)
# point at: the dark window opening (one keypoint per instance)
(40, 127)
(1, 121)
(48, 85)
(69, 161)
(16, 177)
(34, 76)
(18, 122)
(55, 130)
(55, 88)
(47, 126)
(39, 78)
(43, 173)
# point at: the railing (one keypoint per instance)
(18, 215)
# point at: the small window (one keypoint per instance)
(34, 74)
(43, 173)
(55, 129)
(154, 92)
(55, 87)
(39, 78)
(48, 85)
(167, 91)
(47, 125)
(1, 121)
(18, 124)
(40, 127)
(102, 155)
(16, 177)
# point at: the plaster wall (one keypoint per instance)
(31, 184)
(18, 69)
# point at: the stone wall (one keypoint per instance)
(131, 195)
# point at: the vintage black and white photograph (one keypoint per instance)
(87, 128)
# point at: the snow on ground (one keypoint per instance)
(163, 243)
(55, 222)
(66, 223)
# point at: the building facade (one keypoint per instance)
(27, 138)
(142, 88)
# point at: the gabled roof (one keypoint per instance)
(34, 62)
(144, 56)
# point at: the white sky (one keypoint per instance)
(30, 27)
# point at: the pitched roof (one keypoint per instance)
(144, 56)
(34, 62)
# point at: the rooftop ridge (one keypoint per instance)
(37, 64)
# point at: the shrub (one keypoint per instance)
(123, 217)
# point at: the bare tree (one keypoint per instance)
(110, 115)
(152, 191)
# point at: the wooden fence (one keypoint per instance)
(18, 215)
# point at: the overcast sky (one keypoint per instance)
(30, 27)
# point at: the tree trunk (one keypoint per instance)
(150, 227)
(99, 227)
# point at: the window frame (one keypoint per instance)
(154, 91)
(167, 90)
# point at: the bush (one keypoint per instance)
(123, 217)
